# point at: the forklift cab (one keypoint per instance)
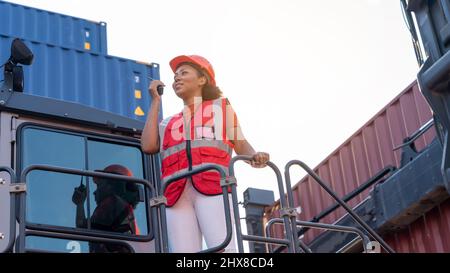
(44, 198)
(50, 150)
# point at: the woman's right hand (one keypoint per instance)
(153, 89)
(79, 195)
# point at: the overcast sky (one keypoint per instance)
(302, 75)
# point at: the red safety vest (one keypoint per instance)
(207, 144)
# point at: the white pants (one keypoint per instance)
(195, 215)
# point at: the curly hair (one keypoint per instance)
(210, 92)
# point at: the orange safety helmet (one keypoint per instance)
(197, 60)
(128, 191)
(116, 169)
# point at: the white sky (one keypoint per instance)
(302, 75)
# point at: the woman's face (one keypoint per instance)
(187, 83)
(103, 190)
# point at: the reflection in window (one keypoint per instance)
(82, 202)
(115, 204)
(123, 160)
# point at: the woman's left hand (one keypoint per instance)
(259, 160)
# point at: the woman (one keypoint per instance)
(205, 132)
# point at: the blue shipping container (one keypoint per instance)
(105, 82)
(52, 28)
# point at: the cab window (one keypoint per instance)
(78, 202)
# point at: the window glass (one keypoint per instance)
(118, 159)
(72, 201)
(35, 243)
(49, 195)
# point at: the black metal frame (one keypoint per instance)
(81, 235)
(376, 178)
(224, 185)
(414, 136)
(119, 140)
(398, 201)
(381, 174)
(363, 224)
(157, 211)
(433, 24)
(410, 24)
(289, 240)
(158, 224)
(338, 228)
(12, 216)
(48, 234)
(115, 139)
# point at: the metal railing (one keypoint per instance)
(62, 233)
(286, 214)
(363, 224)
(376, 178)
(156, 210)
(66, 236)
(160, 201)
(339, 228)
(414, 136)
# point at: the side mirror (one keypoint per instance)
(13, 72)
(20, 53)
(17, 78)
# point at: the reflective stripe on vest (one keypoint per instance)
(208, 146)
(162, 129)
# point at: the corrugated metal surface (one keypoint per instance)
(105, 82)
(52, 28)
(428, 234)
(364, 154)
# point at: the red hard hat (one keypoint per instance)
(126, 190)
(197, 60)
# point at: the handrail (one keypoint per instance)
(12, 216)
(382, 173)
(364, 237)
(66, 236)
(289, 232)
(363, 224)
(56, 169)
(349, 196)
(224, 187)
(414, 136)
(93, 235)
